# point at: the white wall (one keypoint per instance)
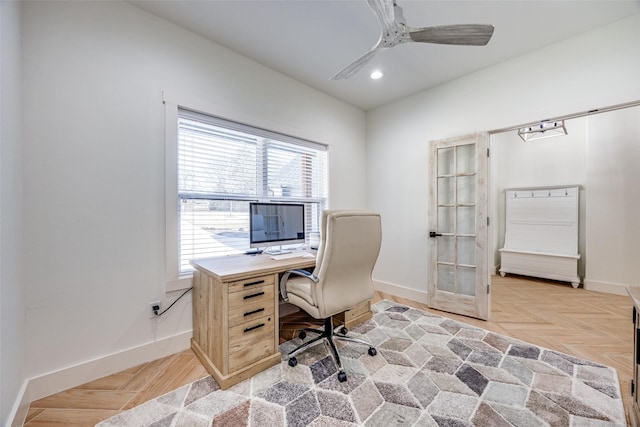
(613, 201)
(561, 160)
(94, 218)
(593, 70)
(12, 304)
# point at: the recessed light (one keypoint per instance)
(377, 74)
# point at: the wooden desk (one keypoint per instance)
(235, 314)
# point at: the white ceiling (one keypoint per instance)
(311, 40)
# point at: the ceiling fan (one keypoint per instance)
(395, 31)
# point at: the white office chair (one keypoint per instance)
(349, 247)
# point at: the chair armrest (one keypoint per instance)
(285, 278)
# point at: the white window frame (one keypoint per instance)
(176, 281)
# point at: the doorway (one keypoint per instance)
(601, 153)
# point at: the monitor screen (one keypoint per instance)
(272, 224)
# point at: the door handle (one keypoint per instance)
(434, 234)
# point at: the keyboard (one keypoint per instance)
(296, 254)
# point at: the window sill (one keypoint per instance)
(184, 282)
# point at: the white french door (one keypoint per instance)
(458, 249)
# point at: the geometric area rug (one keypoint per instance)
(429, 371)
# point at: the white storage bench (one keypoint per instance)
(541, 233)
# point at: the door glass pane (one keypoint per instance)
(446, 278)
(445, 161)
(466, 277)
(445, 191)
(446, 219)
(465, 159)
(446, 249)
(466, 189)
(466, 250)
(466, 220)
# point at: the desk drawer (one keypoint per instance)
(260, 303)
(263, 294)
(358, 310)
(251, 341)
(251, 283)
(355, 316)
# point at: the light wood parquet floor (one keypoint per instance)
(591, 325)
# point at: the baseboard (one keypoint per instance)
(609, 288)
(401, 291)
(20, 409)
(422, 296)
(73, 376)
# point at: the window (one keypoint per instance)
(222, 166)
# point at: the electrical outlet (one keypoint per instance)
(155, 308)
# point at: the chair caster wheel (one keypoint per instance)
(302, 335)
(293, 361)
(342, 377)
(344, 330)
(372, 351)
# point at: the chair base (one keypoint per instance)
(328, 334)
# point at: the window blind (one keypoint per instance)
(223, 165)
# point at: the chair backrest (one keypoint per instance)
(349, 247)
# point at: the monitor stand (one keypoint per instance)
(277, 250)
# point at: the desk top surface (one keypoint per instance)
(235, 267)
(634, 294)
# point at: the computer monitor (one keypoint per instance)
(275, 224)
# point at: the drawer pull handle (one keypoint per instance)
(254, 295)
(249, 313)
(259, 325)
(257, 282)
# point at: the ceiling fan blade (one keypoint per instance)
(356, 65)
(384, 11)
(465, 34)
